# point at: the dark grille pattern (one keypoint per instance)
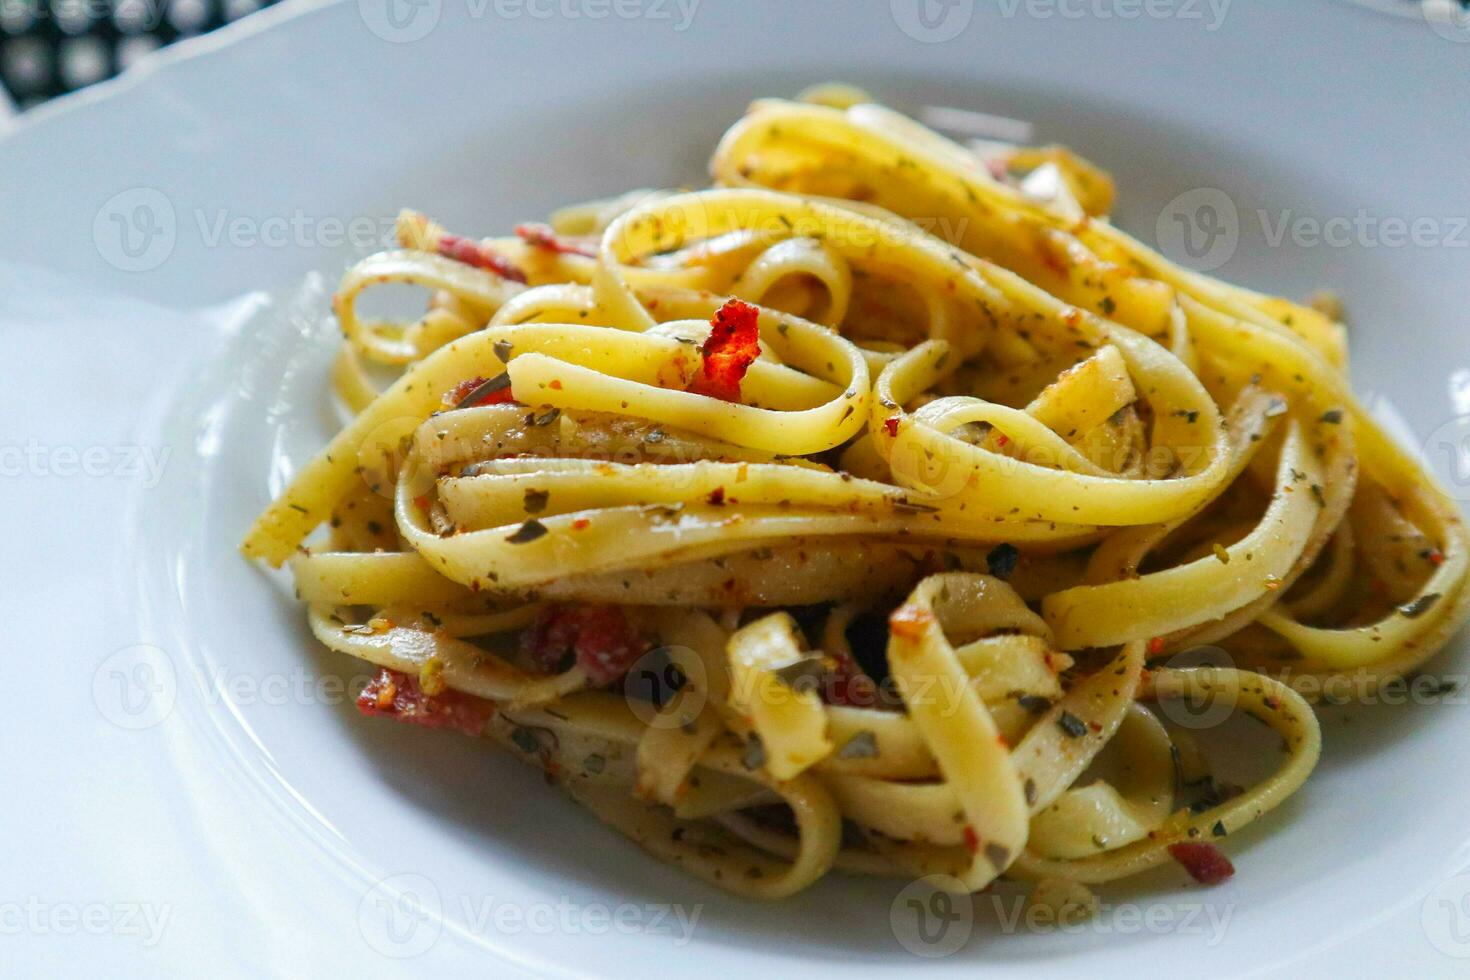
(50, 47)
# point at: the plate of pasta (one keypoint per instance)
(792, 524)
(789, 538)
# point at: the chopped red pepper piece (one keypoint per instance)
(1205, 862)
(474, 253)
(1156, 646)
(890, 425)
(732, 346)
(460, 396)
(397, 695)
(599, 639)
(541, 236)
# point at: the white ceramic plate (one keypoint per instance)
(190, 789)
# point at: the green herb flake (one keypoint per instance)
(863, 745)
(527, 532)
(1072, 725)
(1420, 606)
(755, 752)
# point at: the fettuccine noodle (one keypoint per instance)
(849, 513)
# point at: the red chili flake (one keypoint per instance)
(541, 236)
(732, 346)
(581, 524)
(397, 695)
(1156, 645)
(1206, 863)
(596, 638)
(421, 501)
(972, 840)
(910, 622)
(1436, 557)
(1002, 439)
(890, 425)
(1052, 262)
(455, 397)
(716, 497)
(474, 253)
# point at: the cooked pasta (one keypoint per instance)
(850, 514)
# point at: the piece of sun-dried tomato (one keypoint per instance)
(732, 346)
(541, 236)
(392, 694)
(597, 638)
(847, 684)
(1205, 862)
(474, 253)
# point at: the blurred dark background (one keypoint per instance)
(51, 47)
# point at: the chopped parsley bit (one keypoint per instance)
(502, 350)
(998, 855)
(863, 745)
(1033, 703)
(801, 675)
(529, 531)
(297, 507)
(1420, 606)
(546, 418)
(535, 500)
(1072, 725)
(1219, 829)
(755, 752)
(1107, 306)
(1333, 417)
(1030, 790)
(594, 763)
(1001, 561)
(525, 740)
